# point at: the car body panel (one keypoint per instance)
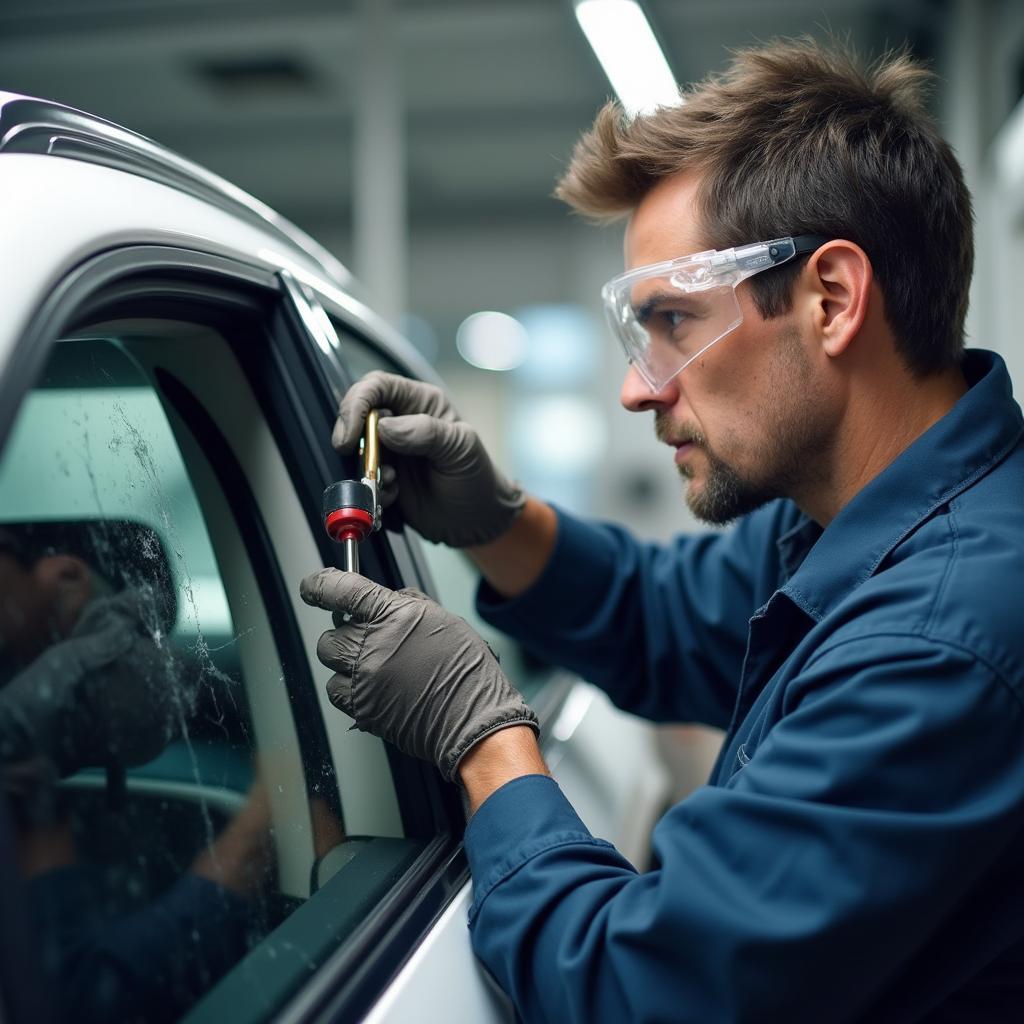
(60, 212)
(31, 124)
(442, 982)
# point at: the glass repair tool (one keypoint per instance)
(351, 508)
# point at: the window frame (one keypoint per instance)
(297, 401)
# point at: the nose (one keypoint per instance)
(637, 396)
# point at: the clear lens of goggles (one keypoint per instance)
(667, 314)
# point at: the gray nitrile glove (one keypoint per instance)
(104, 694)
(448, 488)
(410, 672)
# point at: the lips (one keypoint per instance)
(683, 442)
(684, 449)
(675, 435)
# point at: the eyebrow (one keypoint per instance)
(647, 307)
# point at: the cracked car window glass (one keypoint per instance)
(453, 574)
(178, 843)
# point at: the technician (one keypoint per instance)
(798, 255)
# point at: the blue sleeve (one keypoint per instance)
(796, 891)
(661, 629)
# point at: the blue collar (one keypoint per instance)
(823, 566)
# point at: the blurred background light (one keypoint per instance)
(555, 442)
(560, 433)
(492, 341)
(564, 348)
(622, 39)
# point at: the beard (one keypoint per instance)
(788, 454)
(727, 494)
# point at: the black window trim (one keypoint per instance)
(359, 970)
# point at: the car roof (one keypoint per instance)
(33, 128)
(29, 124)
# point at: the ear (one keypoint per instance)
(67, 583)
(840, 277)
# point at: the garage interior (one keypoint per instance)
(420, 141)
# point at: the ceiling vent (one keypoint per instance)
(258, 76)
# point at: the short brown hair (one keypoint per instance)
(798, 138)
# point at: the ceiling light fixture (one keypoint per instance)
(622, 38)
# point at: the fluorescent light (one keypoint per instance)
(492, 341)
(619, 33)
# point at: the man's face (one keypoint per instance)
(743, 418)
(39, 604)
(23, 609)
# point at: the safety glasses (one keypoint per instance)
(667, 314)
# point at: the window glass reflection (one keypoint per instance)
(165, 822)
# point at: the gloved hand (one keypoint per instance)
(448, 488)
(411, 672)
(103, 695)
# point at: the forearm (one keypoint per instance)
(661, 628)
(243, 854)
(497, 759)
(513, 563)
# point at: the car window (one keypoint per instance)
(453, 576)
(197, 828)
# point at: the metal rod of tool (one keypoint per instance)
(350, 554)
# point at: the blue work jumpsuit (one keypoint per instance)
(858, 853)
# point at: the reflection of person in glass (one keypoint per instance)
(87, 680)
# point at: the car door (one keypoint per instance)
(189, 829)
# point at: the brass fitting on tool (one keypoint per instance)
(369, 447)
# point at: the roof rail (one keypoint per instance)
(31, 125)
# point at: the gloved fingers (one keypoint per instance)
(414, 593)
(422, 434)
(339, 692)
(337, 591)
(339, 649)
(366, 394)
(385, 390)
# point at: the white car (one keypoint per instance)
(208, 839)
